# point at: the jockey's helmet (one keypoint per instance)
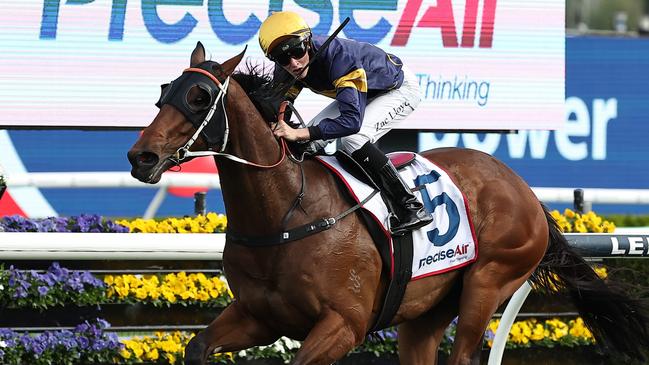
(281, 26)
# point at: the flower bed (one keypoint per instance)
(569, 221)
(165, 290)
(90, 344)
(83, 223)
(59, 286)
(209, 223)
(572, 222)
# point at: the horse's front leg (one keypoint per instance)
(330, 340)
(233, 330)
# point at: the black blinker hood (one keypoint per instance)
(176, 92)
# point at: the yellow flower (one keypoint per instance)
(141, 293)
(125, 353)
(538, 333)
(601, 271)
(201, 224)
(588, 222)
(153, 355)
(108, 280)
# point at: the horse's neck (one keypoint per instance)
(256, 199)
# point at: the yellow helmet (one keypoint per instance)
(280, 25)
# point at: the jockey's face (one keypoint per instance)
(293, 56)
(297, 66)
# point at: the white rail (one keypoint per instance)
(110, 246)
(109, 179)
(594, 195)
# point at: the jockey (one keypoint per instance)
(373, 92)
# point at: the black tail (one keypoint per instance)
(618, 322)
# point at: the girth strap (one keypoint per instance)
(296, 233)
(403, 253)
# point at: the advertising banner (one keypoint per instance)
(603, 143)
(481, 64)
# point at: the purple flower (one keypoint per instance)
(20, 293)
(47, 225)
(109, 226)
(83, 342)
(7, 334)
(489, 335)
(82, 223)
(82, 327)
(59, 273)
(43, 290)
(88, 278)
(48, 278)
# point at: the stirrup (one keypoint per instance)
(391, 217)
(400, 231)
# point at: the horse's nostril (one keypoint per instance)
(144, 159)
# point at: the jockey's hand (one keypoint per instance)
(281, 129)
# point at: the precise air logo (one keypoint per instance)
(461, 249)
(438, 16)
(441, 16)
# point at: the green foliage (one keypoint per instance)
(628, 220)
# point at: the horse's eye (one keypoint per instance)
(199, 99)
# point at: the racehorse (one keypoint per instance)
(326, 289)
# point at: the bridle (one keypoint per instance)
(183, 152)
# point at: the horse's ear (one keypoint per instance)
(198, 55)
(229, 65)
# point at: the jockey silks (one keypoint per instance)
(350, 72)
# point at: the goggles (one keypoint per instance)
(294, 48)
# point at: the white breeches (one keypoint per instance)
(382, 113)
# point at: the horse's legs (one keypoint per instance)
(330, 339)
(478, 302)
(483, 291)
(419, 339)
(232, 330)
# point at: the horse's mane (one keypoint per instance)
(257, 82)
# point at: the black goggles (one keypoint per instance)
(283, 53)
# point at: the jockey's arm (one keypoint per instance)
(351, 104)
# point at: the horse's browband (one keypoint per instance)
(206, 73)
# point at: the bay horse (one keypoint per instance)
(326, 289)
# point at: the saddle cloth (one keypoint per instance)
(448, 242)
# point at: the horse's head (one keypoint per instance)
(192, 116)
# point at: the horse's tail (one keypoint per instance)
(616, 321)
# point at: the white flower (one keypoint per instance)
(2, 343)
(291, 344)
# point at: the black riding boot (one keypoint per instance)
(410, 213)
